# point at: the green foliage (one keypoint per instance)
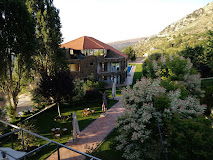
(148, 107)
(91, 85)
(88, 89)
(201, 56)
(166, 67)
(190, 138)
(130, 52)
(138, 72)
(79, 90)
(50, 57)
(55, 88)
(161, 102)
(17, 41)
(28, 139)
(175, 72)
(207, 86)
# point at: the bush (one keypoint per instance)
(130, 52)
(174, 68)
(88, 89)
(175, 72)
(207, 99)
(29, 140)
(93, 94)
(147, 106)
(190, 139)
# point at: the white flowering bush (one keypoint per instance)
(148, 105)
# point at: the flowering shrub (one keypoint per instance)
(148, 105)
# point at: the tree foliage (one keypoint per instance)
(55, 88)
(201, 56)
(130, 52)
(148, 105)
(175, 72)
(17, 39)
(50, 57)
(190, 138)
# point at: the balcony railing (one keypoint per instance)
(28, 154)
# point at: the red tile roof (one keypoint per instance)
(86, 42)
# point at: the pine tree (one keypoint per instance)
(17, 37)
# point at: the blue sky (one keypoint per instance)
(113, 20)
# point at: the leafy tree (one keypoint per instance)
(201, 56)
(142, 129)
(56, 88)
(50, 57)
(209, 50)
(17, 48)
(174, 71)
(190, 138)
(130, 52)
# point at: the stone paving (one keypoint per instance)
(91, 136)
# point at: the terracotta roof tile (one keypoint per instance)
(86, 42)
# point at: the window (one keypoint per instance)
(74, 67)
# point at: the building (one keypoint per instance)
(88, 56)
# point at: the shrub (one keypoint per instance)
(29, 140)
(148, 105)
(130, 52)
(190, 138)
(175, 72)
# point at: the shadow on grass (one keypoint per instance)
(107, 150)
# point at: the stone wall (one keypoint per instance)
(91, 66)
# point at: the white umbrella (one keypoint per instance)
(114, 88)
(75, 126)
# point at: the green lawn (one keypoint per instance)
(109, 92)
(107, 151)
(44, 122)
(138, 72)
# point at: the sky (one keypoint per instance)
(114, 20)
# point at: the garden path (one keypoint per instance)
(92, 136)
(25, 102)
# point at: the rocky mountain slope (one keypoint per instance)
(188, 31)
(198, 21)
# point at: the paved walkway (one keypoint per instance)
(24, 102)
(92, 135)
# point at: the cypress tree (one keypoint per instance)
(50, 57)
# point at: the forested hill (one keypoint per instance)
(188, 31)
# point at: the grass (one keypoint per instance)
(44, 122)
(109, 92)
(107, 150)
(138, 72)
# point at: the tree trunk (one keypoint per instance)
(59, 112)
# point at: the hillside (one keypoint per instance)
(125, 43)
(188, 31)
